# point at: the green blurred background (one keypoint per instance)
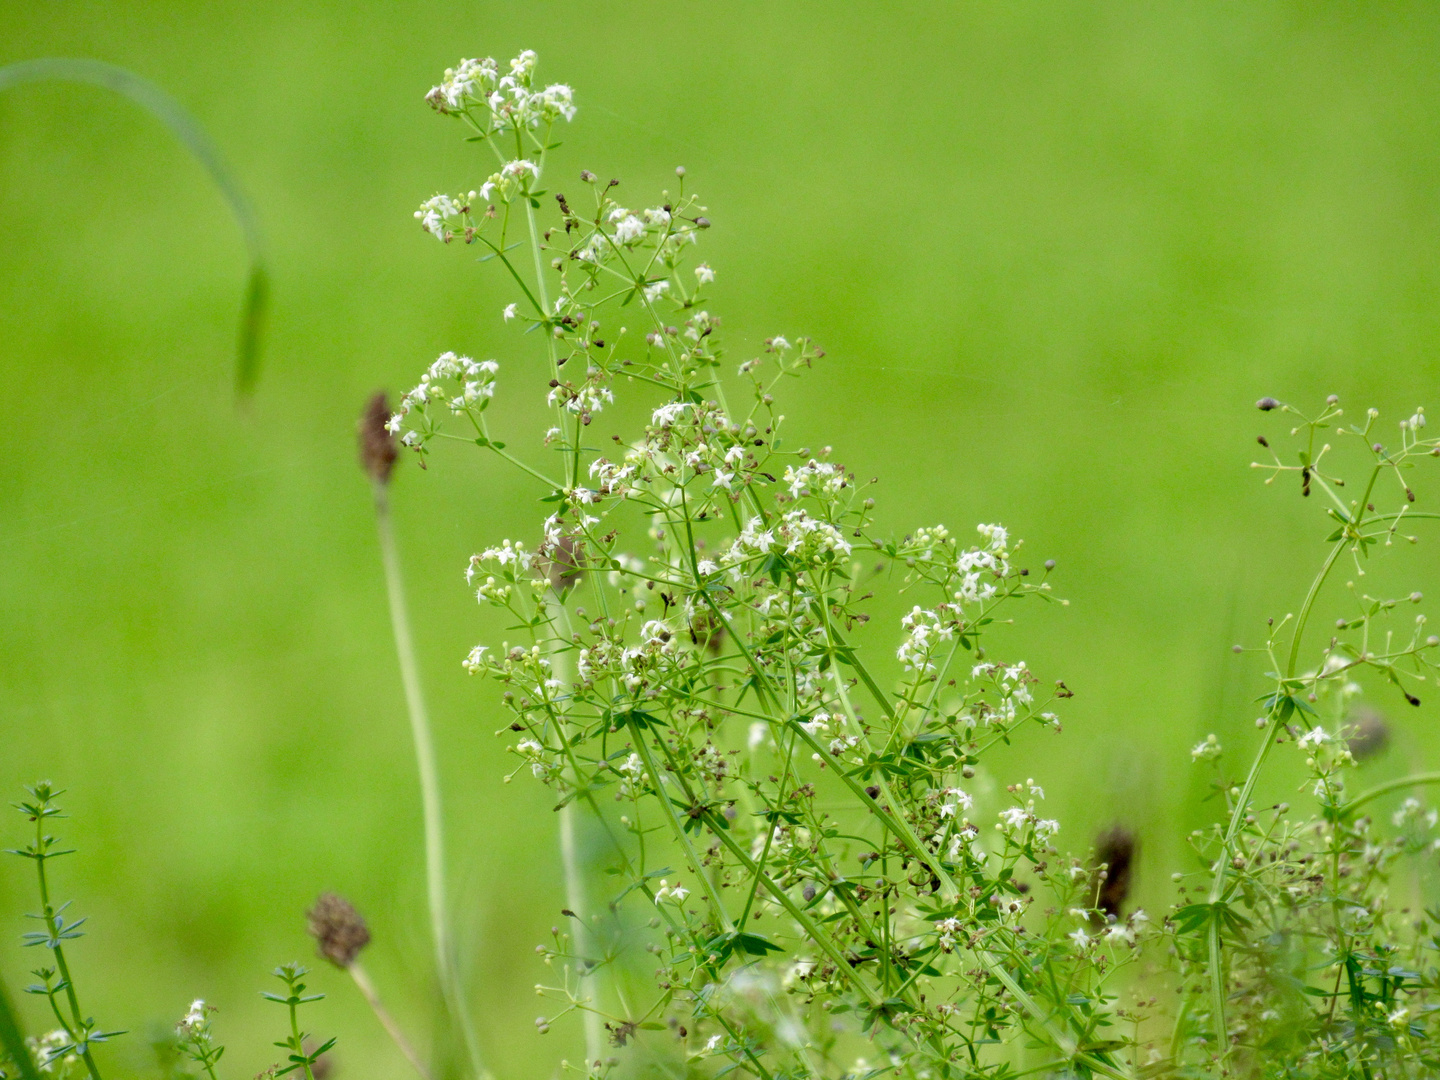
(1054, 252)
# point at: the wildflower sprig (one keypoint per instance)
(301, 1057)
(196, 1040)
(77, 1033)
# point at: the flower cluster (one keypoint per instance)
(511, 100)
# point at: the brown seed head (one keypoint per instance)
(377, 446)
(338, 929)
(1116, 849)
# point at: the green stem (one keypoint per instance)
(80, 1028)
(1413, 780)
(1237, 815)
(296, 1039)
(575, 897)
(429, 773)
(716, 907)
(372, 998)
(816, 934)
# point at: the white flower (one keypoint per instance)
(666, 415)
(677, 892)
(655, 291)
(1014, 817)
(1314, 737)
(1207, 750)
(194, 1020)
(1080, 938)
(49, 1049)
(925, 630)
(520, 168)
(996, 535)
(629, 229)
(703, 274)
(954, 798)
(433, 214)
(1120, 933)
(510, 310)
(948, 930)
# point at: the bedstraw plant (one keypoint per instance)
(811, 844)
(809, 866)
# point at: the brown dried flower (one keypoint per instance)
(377, 446)
(338, 928)
(1116, 851)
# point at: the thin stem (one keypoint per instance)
(429, 780)
(367, 990)
(1237, 815)
(58, 951)
(296, 1039)
(1413, 780)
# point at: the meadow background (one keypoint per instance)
(1054, 252)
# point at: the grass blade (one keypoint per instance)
(188, 130)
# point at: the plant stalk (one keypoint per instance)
(429, 773)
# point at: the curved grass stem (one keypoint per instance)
(450, 982)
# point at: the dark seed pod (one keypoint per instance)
(1116, 850)
(1265, 404)
(378, 450)
(338, 929)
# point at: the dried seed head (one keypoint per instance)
(378, 450)
(1265, 404)
(338, 929)
(1116, 850)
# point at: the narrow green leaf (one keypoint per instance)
(188, 131)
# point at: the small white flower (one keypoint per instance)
(1080, 938)
(433, 214)
(703, 274)
(510, 310)
(629, 229)
(1208, 750)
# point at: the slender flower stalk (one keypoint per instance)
(372, 997)
(377, 456)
